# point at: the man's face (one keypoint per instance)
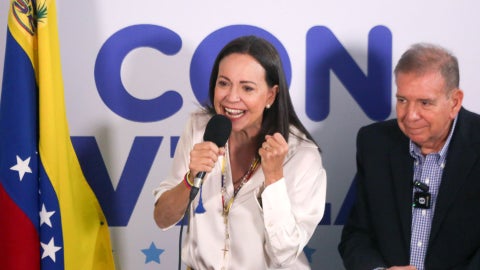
(424, 109)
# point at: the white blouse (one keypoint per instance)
(269, 235)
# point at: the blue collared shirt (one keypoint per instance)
(428, 170)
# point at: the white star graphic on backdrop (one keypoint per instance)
(45, 216)
(22, 167)
(50, 249)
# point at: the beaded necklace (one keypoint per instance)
(226, 205)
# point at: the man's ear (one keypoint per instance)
(456, 100)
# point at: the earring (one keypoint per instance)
(268, 106)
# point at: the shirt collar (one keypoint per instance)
(416, 152)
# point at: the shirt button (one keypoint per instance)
(427, 181)
(419, 243)
(442, 165)
(424, 212)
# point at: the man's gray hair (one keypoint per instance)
(422, 58)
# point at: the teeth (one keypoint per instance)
(234, 112)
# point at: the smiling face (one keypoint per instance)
(242, 93)
(425, 111)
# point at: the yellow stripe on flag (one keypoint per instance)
(86, 235)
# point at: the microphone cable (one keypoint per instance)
(186, 219)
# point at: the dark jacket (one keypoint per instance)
(378, 230)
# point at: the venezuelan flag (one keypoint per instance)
(50, 217)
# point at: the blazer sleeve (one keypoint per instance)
(471, 264)
(358, 247)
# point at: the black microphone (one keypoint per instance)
(217, 131)
(424, 187)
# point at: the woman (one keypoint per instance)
(264, 192)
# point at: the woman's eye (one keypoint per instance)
(221, 83)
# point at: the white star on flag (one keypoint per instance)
(45, 216)
(50, 249)
(22, 167)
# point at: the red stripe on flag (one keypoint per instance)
(19, 244)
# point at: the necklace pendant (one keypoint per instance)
(225, 217)
(225, 251)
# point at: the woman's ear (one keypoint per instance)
(272, 94)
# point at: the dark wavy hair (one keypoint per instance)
(281, 114)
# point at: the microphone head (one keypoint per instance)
(218, 130)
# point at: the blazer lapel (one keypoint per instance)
(460, 160)
(402, 175)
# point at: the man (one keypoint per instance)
(418, 176)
